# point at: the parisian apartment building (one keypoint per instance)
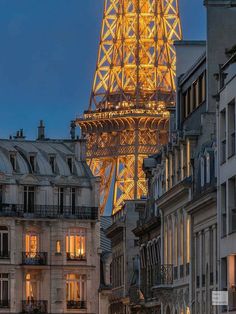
(49, 227)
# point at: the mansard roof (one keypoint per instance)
(60, 150)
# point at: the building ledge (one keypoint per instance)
(151, 224)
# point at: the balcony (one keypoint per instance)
(164, 276)
(73, 257)
(29, 258)
(76, 305)
(49, 211)
(4, 304)
(34, 307)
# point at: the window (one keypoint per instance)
(231, 129)
(58, 247)
(170, 243)
(202, 169)
(223, 136)
(29, 197)
(188, 239)
(202, 88)
(4, 290)
(181, 252)
(52, 163)
(72, 199)
(76, 291)
(32, 162)
(223, 209)
(232, 204)
(76, 244)
(185, 103)
(208, 168)
(60, 200)
(13, 161)
(31, 244)
(176, 242)
(31, 289)
(4, 252)
(70, 163)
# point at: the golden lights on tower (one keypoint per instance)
(134, 82)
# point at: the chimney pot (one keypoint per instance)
(41, 130)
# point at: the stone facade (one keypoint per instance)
(125, 261)
(49, 228)
(226, 197)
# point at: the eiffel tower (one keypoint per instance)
(134, 82)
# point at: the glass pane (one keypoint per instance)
(77, 246)
(31, 201)
(5, 243)
(67, 244)
(77, 290)
(72, 245)
(5, 290)
(25, 199)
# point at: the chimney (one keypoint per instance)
(41, 131)
(72, 129)
(19, 134)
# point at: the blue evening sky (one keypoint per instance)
(48, 51)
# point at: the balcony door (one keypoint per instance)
(31, 244)
(29, 199)
(31, 288)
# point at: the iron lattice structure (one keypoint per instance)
(134, 83)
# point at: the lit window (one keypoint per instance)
(30, 288)
(4, 290)
(58, 247)
(76, 291)
(4, 252)
(31, 244)
(76, 244)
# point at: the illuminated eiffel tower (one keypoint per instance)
(134, 82)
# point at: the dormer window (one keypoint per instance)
(13, 161)
(52, 161)
(70, 163)
(32, 162)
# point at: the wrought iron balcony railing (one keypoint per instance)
(165, 275)
(73, 257)
(76, 305)
(49, 211)
(4, 304)
(29, 258)
(34, 307)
